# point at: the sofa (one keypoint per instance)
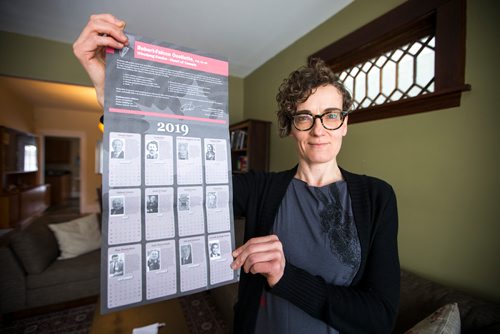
(420, 298)
(32, 271)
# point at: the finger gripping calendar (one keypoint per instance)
(167, 221)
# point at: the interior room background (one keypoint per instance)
(443, 164)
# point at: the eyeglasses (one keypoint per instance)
(331, 120)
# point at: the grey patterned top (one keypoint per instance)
(317, 230)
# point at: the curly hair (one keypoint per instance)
(299, 85)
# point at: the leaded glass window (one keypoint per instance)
(405, 72)
(410, 60)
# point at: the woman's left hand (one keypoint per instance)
(262, 255)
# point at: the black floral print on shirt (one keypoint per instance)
(338, 225)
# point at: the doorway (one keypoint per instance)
(62, 171)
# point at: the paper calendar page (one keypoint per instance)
(124, 273)
(190, 211)
(124, 223)
(124, 159)
(193, 260)
(158, 160)
(189, 162)
(219, 253)
(161, 269)
(216, 161)
(167, 201)
(217, 208)
(159, 213)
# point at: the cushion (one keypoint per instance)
(36, 247)
(78, 236)
(68, 271)
(446, 320)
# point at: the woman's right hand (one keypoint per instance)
(102, 31)
(261, 255)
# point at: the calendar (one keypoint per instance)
(167, 221)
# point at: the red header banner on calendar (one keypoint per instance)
(167, 220)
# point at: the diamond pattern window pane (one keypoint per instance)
(398, 74)
(349, 84)
(380, 61)
(366, 67)
(373, 82)
(414, 49)
(425, 67)
(405, 72)
(360, 86)
(354, 71)
(388, 78)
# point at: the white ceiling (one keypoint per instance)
(247, 33)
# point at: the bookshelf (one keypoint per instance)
(250, 145)
(22, 197)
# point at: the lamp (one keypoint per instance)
(98, 148)
(101, 123)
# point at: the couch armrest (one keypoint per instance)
(420, 297)
(12, 282)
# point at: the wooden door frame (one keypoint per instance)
(82, 136)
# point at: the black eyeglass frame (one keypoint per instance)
(343, 114)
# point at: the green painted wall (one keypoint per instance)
(235, 99)
(36, 58)
(443, 164)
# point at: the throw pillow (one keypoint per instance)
(35, 247)
(78, 236)
(445, 320)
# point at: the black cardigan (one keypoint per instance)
(371, 303)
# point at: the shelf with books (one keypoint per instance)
(250, 145)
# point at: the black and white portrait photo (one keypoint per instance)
(152, 150)
(116, 265)
(117, 149)
(117, 206)
(186, 256)
(152, 204)
(153, 260)
(210, 152)
(183, 151)
(214, 249)
(184, 204)
(212, 200)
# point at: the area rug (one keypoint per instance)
(76, 320)
(201, 314)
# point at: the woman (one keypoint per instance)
(320, 252)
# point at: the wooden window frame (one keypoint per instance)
(410, 21)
